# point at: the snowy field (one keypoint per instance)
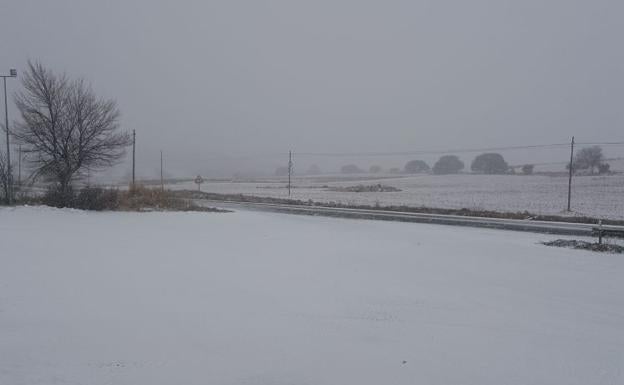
(268, 299)
(597, 196)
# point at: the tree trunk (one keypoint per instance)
(65, 191)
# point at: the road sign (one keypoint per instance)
(199, 180)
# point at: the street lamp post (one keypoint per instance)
(12, 74)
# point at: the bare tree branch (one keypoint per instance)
(66, 127)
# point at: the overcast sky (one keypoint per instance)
(205, 79)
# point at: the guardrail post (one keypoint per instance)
(600, 231)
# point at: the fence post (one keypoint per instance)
(290, 165)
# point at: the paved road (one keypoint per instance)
(561, 228)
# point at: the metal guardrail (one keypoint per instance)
(547, 227)
(601, 231)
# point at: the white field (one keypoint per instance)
(259, 298)
(597, 196)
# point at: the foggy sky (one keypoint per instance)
(203, 80)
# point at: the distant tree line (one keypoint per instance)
(589, 159)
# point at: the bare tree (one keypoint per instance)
(588, 158)
(65, 127)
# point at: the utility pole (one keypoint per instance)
(290, 166)
(570, 177)
(162, 183)
(133, 157)
(9, 190)
(19, 166)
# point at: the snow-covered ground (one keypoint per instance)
(261, 298)
(597, 196)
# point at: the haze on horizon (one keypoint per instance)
(230, 86)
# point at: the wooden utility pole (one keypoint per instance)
(290, 166)
(133, 158)
(570, 177)
(19, 167)
(162, 183)
(9, 171)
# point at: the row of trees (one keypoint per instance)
(590, 159)
(448, 164)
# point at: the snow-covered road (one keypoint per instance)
(262, 298)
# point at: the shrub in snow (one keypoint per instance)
(98, 199)
(57, 196)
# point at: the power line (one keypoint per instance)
(458, 150)
(601, 144)
(425, 152)
(561, 162)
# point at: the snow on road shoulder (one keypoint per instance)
(262, 298)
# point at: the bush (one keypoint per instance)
(374, 169)
(416, 166)
(448, 164)
(97, 199)
(88, 198)
(604, 168)
(55, 196)
(138, 198)
(489, 163)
